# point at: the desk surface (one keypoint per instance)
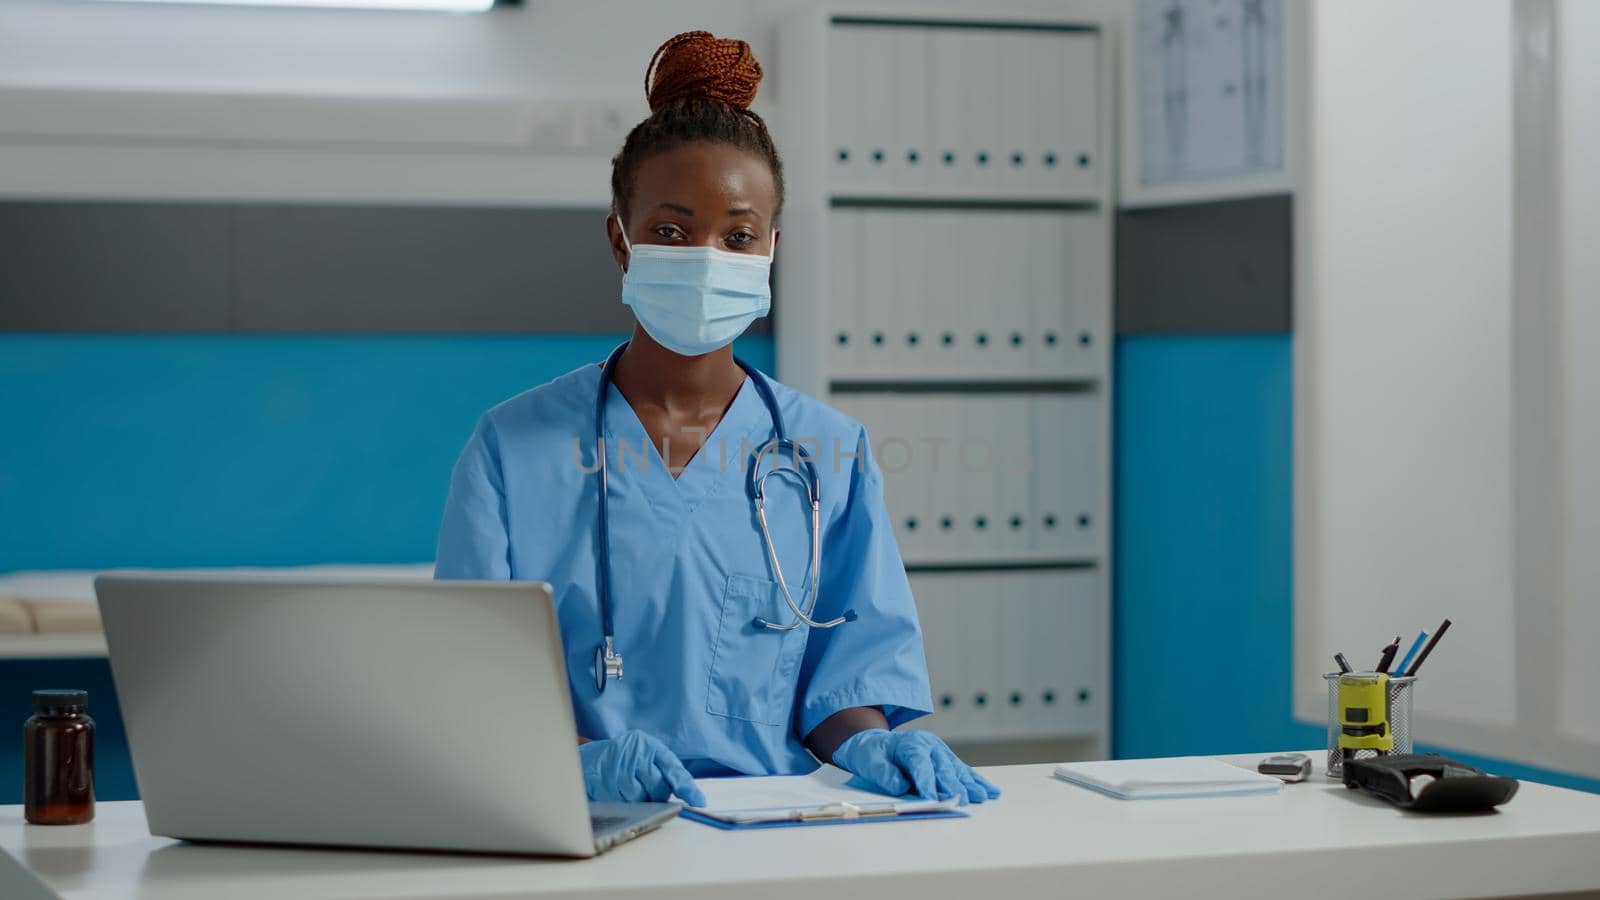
(1044, 836)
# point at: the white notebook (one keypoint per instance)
(1180, 776)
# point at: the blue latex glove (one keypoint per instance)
(634, 767)
(897, 763)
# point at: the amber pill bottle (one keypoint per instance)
(58, 759)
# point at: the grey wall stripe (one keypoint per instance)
(135, 267)
(113, 267)
(1206, 268)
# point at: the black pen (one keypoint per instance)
(1387, 657)
(1344, 667)
(1428, 648)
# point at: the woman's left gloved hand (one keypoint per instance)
(897, 763)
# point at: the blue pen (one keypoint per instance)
(1422, 637)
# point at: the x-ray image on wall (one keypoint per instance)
(1210, 89)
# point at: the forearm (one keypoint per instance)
(839, 727)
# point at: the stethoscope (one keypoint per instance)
(607, 661)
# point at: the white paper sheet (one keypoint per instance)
(772, 797)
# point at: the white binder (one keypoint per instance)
(1020, 110)
(1016, 709)
(1051, 648)
(909, 164)
(1014, 297)
(946, 660)
(877, 98)
(903, 245)
(1053, 470)
(1088, 291)
(1052, 342)
(950, 484)
(1086, 650)
(843, 302)
(878, 290)
(977, 454)
(848, 106)
(1041, 70)
(922, 480)
(1014, 511)
(1078, 112)
(981, 71)
(946, 258)
(979, 611)
(950, 138)
(976, 342)
(904, 470)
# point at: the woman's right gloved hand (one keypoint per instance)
(634, 767)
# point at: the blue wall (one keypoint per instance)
(198, 451)
(1203, 565)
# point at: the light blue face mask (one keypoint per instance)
(694, 300)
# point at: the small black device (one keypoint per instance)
(1291, 767)
(1429, 782)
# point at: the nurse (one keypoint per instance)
(710, 686)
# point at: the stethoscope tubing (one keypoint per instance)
(608, 662)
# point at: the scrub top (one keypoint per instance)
(690, 572)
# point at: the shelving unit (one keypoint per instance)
(948, 239)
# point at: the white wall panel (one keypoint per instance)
(1403, 403)
(1579, 311)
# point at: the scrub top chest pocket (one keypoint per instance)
(754, 670)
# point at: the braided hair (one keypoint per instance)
(699, 88)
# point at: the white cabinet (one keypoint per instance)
(945, 278)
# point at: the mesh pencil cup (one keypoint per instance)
(1396, 716)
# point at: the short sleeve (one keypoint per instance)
(876, 660)
(473, 541)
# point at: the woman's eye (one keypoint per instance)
(741, 239)
(669, 232)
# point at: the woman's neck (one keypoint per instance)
(650, 374)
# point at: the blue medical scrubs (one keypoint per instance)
(690, 571)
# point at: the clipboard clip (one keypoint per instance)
(845, 810)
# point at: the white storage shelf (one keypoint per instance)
(969, 293)
(989, 477)
(1045, 683)
(963, 112)
(949, 196)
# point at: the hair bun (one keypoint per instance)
(700, 64)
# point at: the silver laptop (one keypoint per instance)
(354, 711)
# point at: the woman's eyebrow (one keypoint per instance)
(743, 211)
(676, 208)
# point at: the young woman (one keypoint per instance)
(761, 631)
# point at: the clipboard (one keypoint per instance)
(824, 797)
(800, 820)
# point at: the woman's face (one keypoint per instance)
(701, 194)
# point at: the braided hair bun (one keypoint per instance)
(700, 88)
(699, 64)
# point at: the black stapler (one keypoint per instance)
(1429, 782)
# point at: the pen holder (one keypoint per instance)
(1397, 716)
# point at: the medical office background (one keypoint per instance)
(1341, 403)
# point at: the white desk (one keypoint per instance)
(1044, 838)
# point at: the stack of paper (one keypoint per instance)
(1183, 776)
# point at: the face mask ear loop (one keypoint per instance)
(623, 229)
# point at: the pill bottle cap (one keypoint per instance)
(59, 699)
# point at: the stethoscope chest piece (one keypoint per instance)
(607, 664)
